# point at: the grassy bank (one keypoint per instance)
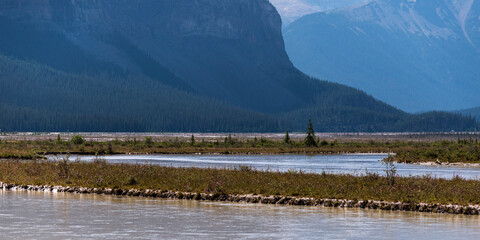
(241, 181)
(443, 152)
(465, 151)
(37, 149)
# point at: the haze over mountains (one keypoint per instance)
(291, 10)
(164, 65)
(416, 55)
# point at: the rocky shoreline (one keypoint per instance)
(250, 198)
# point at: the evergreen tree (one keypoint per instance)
(287, 138)
(310, 139)
(192, 140)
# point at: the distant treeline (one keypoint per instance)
(460, 151)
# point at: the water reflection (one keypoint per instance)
(34, 215)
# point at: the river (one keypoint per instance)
(351, 163)
(47, 215)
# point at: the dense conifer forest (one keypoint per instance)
(39, 98)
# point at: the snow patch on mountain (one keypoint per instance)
(406, 18)
(462, 9)
(291, 10)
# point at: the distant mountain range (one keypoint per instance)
(415, 55)
(164, 65)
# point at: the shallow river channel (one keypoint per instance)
(353, 164)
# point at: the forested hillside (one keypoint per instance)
(39, 98)
(473, 112)
(132, 65)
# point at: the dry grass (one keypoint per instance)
(241, 181)
(443, 151)
(467, 151)
(233, 146)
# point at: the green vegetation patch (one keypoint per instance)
(443, 152)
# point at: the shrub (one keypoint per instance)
(390, 170)
(148, 141)
(63, 167)
(245, 168)
(77, 139)
(132, 181)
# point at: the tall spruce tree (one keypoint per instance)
(192, 140)
(310, 139)
(287, 138)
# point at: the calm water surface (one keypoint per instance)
(356, 164)
(34, 215)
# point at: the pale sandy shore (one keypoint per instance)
(342, 137)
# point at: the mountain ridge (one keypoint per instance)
(415, 55)
(171, 66)
(95, 22)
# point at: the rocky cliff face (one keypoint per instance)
(181, 18)
(224, 48)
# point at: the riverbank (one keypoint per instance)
(245, 185)
(250, 198)
(411, 152)
(447, 164)
(77, 145)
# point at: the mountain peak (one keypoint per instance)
(407, 53)
(155, 17)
